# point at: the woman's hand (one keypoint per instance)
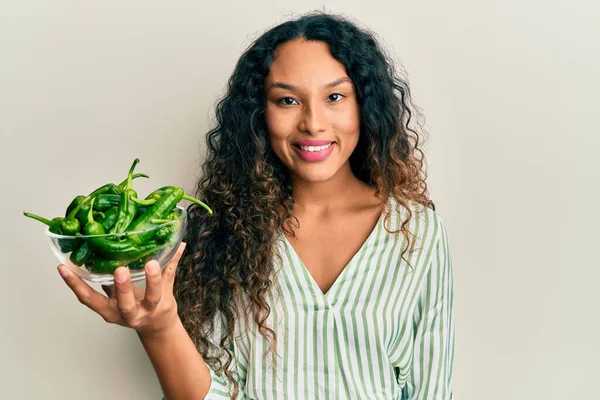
(149, 313)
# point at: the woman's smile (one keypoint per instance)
(314, 150)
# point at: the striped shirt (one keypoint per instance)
(384, 330)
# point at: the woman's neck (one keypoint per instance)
(327, 196)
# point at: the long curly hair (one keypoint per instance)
(229, 257)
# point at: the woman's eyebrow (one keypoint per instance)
(287, 86)
(337, 82)
(280, 85)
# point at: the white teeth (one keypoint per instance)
(314, 148)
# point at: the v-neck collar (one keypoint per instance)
(311, 283)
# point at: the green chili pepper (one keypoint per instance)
(100, 264)
(110, 218)
(98, 214)
(71, 224)
(74, 203)
(123, 249)
(138, 264)
(106, 201)
(66, 226)
(54, 224)
(171, 196)
(111, 197)
(127, 207)
(82, 214)
(156, 195)
(104, 266)
(118, 189)
(159, 193)
(117, 249)
(161, 208)
(141, 210)
(163, 233)
(66, 245)
(82, 253)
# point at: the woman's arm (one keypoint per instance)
(432, 369)
(182, 372)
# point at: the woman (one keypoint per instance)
(325, 271)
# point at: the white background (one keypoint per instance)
(509, 93)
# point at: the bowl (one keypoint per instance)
(99, 266)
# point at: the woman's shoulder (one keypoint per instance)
(423, 220)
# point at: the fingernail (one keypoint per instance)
(121, 275)
(153, 268)
(182, 247)
(63, 271)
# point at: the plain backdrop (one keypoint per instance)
(509, 94)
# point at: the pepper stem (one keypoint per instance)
(201, 204)
(38, 218)
(134, 176)
(90, 215)
(130, 175)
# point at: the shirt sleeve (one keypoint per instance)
(221, 388)
(431, 372)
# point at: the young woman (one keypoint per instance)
(325, 271)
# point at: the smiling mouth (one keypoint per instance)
(314, 149)
(314, 153)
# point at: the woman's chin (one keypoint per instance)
(315, 174)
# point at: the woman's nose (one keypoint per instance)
(314, 120)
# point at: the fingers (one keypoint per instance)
(171, 267)
(88, 296)
(153, 286)
(126, 303)
(122, 305)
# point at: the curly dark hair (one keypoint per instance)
(229, 257)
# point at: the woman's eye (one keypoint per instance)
(335, 97)
(287, 101)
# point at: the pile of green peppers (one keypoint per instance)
(134, 229)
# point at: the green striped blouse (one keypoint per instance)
(384, 330)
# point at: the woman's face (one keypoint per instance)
(312, 113)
